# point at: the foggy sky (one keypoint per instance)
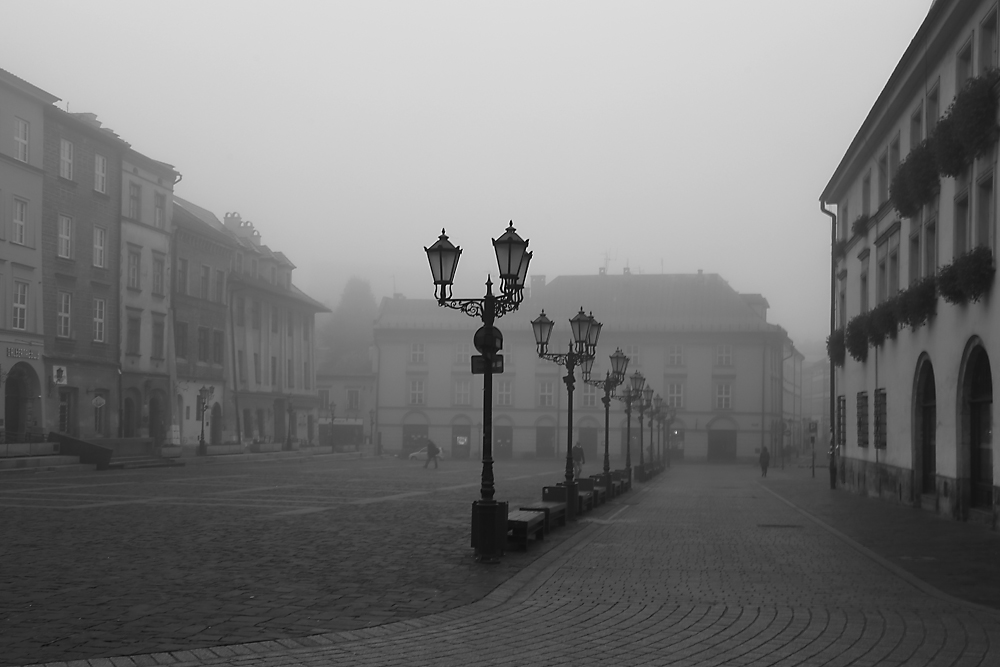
(663, 136)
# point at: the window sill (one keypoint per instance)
(137, 290)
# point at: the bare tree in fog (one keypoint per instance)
(346, 336)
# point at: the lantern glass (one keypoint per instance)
(658, 402)
(580, 325)
(587, 367)
(522, 271)
(510, 250)
(541, 326)
(619, 362)
(594, 334)
(443, 257)
(638, 382)
(647, 395)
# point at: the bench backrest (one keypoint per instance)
(556, 494)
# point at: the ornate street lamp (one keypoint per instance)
(204, 395)
(586, 330)
(643, 401)
(489, 520)
(612, 378)
(658, 411)
(638, 382)
(670, 414)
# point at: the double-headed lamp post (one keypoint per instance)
(489, 528)
(645, 394)
(612, 378)
(586, 331)
(629, 396)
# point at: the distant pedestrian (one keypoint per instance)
(432, 454)
(578, 460)
(765, 460)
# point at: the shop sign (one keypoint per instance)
(22, 353)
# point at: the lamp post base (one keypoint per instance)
(489, 530)
(572, 499)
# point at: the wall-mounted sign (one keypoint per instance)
(59, 375)
(22, 353)
(98, 402)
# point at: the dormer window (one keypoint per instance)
(239, 262)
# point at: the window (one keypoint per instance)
(203, 343)
(893, 162)
(504, 393)
(181, 339)
(723, 396)
(220, 285)
(961, 224)
(933, 110)
(463, 354)
(632, 352)
(133, 334)
(100, 306)
(159, 265)
(883, 178)
(255, 314)
(241, 371)
(963, 65)
(206, 281)
(19, 313)
(291, 324)
(238, 262)
(724, 355)
(866, 194)
(290, 377)
(20, 220)
(930, 239)
(274, 371)
(253, 267)
(306, 376)
(862, 418)
(675, 395)
(463, 392)
(21, 139)
(274, 320)
(256, 367)
(546, 393)
(354, 399)
(417, 353)
(988, 43)
(863, 297)
(914, 253)
(158, 327)
(101, 174)
(675, 355)
(66, 159)
(133, 268)
(416, 392)
(63, 315)
(842, 221)
(134, 200)
(218, 346)
(159, 210)
(984, 211)
(916, 127)
(182, 276)
(240, 314)
(65, 237)
(888, 266)
(842, 422)
(100, 247)
(880, 419)
(589, 396)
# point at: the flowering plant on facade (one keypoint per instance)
(968, 278)
(917, 304)
(835, 348)
(860, 225)
(916, 181)
(969, 128)
(839, 248)
(883, 322)
(856, 337)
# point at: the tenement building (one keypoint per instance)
(707, 350)
(913, 270)
(22, 343)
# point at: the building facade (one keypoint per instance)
(707, 350)
(915, 238)
(22, 340)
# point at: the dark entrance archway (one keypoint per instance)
(216, 433)
(925, 422)
(21, 391)
(977, 427)
(128, 417)
(157, 428)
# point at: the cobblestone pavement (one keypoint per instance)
(705, 565)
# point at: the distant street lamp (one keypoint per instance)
(586, 330)
(288, 427)
(489, 528)
(668, 417)
(644, 395)
(612, 378)
(657, 410)
(204, 395)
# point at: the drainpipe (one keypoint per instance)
(833, 316)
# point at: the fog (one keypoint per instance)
(660, 136)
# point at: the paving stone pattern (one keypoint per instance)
(705, 565)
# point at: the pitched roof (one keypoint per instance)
(661, 302)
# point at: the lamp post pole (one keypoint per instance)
(671, 415)
(586, 331)
(638, 382)
(489, 517)
(658, 411)
(613, 378)
(627, 397)
(203, 395)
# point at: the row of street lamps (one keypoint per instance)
(489, 527)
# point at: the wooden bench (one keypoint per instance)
(616, 486)
(523, 523)
(622, 476)
(555, 513)
(599, 492)
(557, 493)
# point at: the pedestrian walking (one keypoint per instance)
(432, 454)
(578, 460)
(765, 460)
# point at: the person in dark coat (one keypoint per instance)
(578, 460)
(432, 454)
(765, 460)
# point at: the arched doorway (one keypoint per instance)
(216, 433)
(128, 417)
(21, 391)
(722, 441)
(925, 430)
(156, 425)
(977, 426)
